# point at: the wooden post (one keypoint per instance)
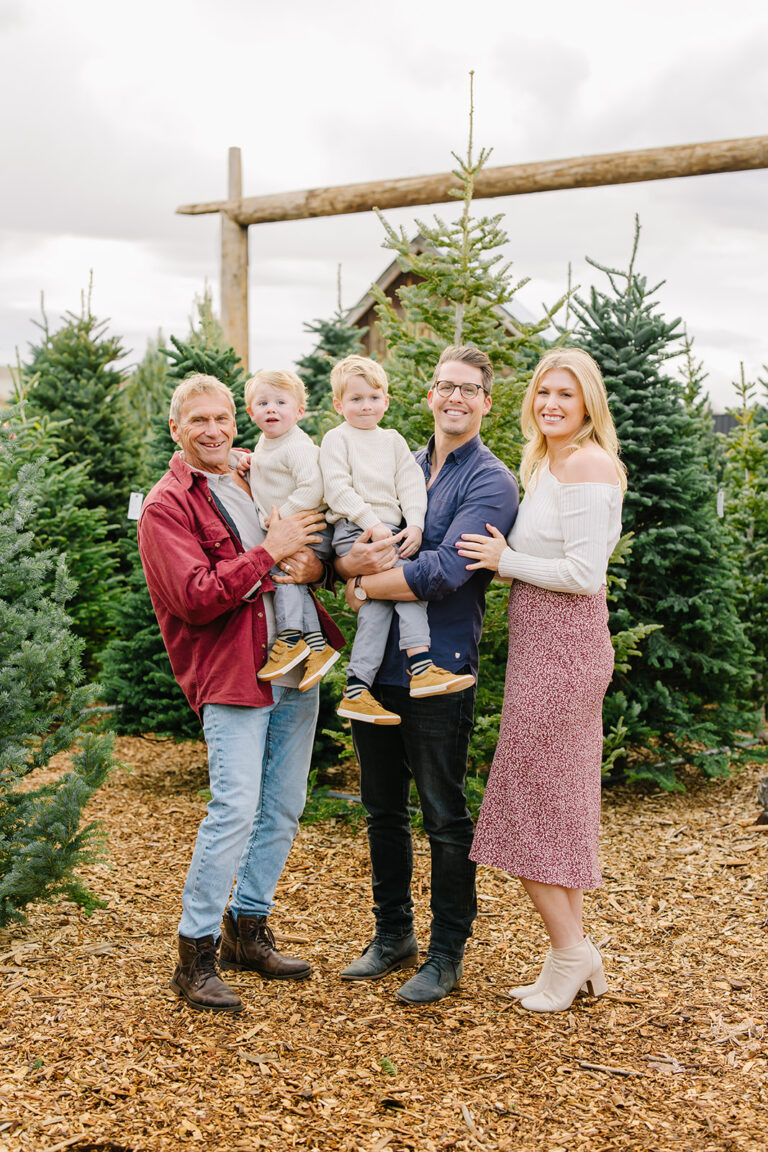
(234, 265)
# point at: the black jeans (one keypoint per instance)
(431, 747)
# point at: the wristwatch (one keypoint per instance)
(360, 592)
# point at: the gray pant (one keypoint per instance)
(375, 616)
(294, 606)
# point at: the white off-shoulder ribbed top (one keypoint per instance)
(564, 535)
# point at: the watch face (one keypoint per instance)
(360, 593)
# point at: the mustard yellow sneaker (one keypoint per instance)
(282, 658)
(365, 708)
(438, 681)
(317, 665)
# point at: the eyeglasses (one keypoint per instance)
(447, 388)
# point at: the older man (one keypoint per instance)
(467, 488)
(207, 563)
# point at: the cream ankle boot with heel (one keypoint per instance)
(569, 970)
(533, 989)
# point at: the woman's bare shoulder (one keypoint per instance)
(590, 464)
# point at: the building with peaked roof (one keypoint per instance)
(363, 314)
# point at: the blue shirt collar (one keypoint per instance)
(458, 454)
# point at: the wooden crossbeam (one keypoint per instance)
(511, 180)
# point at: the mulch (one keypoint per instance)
(97, 1053)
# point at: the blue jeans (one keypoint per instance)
(258, 763)
(430, 746)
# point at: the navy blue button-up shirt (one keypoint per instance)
(473, 488)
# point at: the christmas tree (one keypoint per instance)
(43, 704)
(462, 295)
(66, 524)
(684, 697)
(72, 380)
(746, 518)
(144, 401)
(335, 339)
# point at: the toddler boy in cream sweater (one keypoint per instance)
(372, 481)
(285, 474)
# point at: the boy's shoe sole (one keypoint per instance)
(348, 714)
(458, 684)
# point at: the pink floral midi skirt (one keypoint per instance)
(540, 816)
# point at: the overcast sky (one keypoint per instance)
(114, 114)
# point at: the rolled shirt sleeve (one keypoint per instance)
(439, 570)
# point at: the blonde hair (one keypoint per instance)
(278, 378)
(373, 374)
(598, 423)
(197, 385)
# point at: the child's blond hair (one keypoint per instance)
(373, 374)
(280, 378)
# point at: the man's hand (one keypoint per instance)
(368, 556)
(286, 536)
(410, 542)
(303, 567)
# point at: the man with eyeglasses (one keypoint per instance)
(467, 488)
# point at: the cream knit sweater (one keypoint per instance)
(564, 535)
(371, 477)
(285, 474)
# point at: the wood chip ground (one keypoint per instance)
(97, 1053)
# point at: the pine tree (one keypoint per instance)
(746, 519)
(143, 403)
(64, 524)
(43, 705)
(336, 338)
(71, 378)
(461, 296)
(137, 674)
(696, 400)
(685, 694)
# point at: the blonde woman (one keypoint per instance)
(541, 811)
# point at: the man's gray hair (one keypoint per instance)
(197, 385)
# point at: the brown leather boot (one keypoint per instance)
(197, 980)
(248, 943)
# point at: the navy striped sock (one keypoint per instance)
(354, 688)
(419, 663)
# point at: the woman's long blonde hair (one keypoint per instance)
(598, 423)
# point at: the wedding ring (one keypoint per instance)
(286, 567)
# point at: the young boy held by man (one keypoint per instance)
(372, 481)
(285, 474)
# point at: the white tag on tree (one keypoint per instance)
(134, 505)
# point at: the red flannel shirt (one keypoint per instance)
(197, 574)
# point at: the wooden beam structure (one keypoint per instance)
(239, 212)
(513, 180)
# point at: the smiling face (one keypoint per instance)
(275, 410)
(361, 404)
(205, 431)
(558, 406)
(458, 417)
